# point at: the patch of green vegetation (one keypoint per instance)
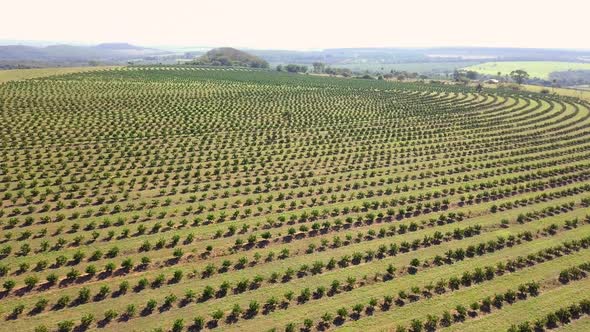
(432, 68)
(230, 57)
(536, 69)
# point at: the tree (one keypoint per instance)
(446, 319)
(86, 320)
(178, 325)
(290, 327)
(472, 75)
(431, 323)
(208, 293)
(199, 323)
(326, 319)
(416, 325)
(84, 295)
(358, 308)
(65, 326)
(130, 311)
(9, 285)
(41, 328)
(291, 68)
(109, 315)
(342, 313)
(461, 313)
(217, 315)
(41, 304)
(253, 308)
(458, 75)
(151, 305)
(318, 67)
(18, 310)
(519, 75)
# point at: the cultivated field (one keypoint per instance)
(418, 67)
(538, 69)
(580, 93)
(176, 199)
(21, 74)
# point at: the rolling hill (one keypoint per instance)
(227, 56)
(73, 54)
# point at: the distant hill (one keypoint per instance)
(378, 56)
(227, 56)
(70, 54)
(119, 46)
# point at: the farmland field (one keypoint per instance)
(581, 93)
(20, 74)
(418, 67)
(538, 69)
(185, 199)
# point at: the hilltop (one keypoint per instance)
(227, 56)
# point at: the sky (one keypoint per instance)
(302, 24)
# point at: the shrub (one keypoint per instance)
(65, 326)
(86, 321)
(198, 323)
(178, 325)
(110, 314)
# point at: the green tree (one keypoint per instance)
(470, 74)
(318, 67)
(519, 76)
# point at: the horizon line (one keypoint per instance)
(45, 43)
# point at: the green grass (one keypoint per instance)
(538, 69)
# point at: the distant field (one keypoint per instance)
(414, 67)
(580, 93)
(418, 67)
(540, 69)
(22, 74)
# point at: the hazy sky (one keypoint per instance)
(294, 24)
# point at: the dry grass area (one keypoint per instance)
(23, 74)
